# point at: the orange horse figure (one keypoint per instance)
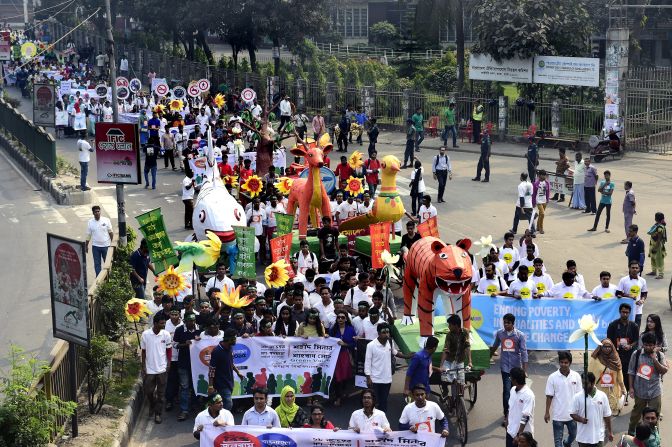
(430, 265)
(309, 193)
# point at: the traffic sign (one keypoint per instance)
(248, 95)
(122, 82)
(135, 85)
(123, 92)
(161, 89)
(204, 85)
(193, 90)
(101, 90)
(179, 92)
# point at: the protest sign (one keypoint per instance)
(281, 247)
(548, 323)
(284, 223)
(360, 352)
(160, 249)
(117, 153)
(44, 105)
(245, 265)
(429, 227)
(560, 184)
(272, 362)
(380, 241)
(255, 436)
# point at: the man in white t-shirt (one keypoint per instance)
(634, 286)
(523, 287)
(347, 210)
(510, 254)
(156, 345)
(593, 422)
(605, 290)
(255, 109)
(421, 415)
(361, 292)
(85, 149)
(368, 419)
(188, 186)
(427, 210)
(370, 325)
(99, 233)
(305, 259)
(220, 280)
(491, 284)
(256, 216)
(569, 289)
(215, 415)
(523, 204)
(542, 281)
(521, 407)
(561, 386)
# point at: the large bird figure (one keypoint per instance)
(387, 206)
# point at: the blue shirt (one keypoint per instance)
(221, 359)
(418, 369)
(606, 199)
(140, 264)
(514, 349)
(154, 122)
(361, 118)
(635, 250)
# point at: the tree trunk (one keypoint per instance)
(190, 47)
(234, 56)
(253, 58)
(459, 42)
(203, 42)
(276, 60)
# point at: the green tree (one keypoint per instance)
(384, 34)
(526, 28)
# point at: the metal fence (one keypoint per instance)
(34, 138)
(358, 51)
(648, 110)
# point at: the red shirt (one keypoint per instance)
(343, 171)
(245, 174)
(224, 169)
(373, 165)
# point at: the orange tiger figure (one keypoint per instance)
(432, 264)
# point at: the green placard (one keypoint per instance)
(153, 229)
(245, 263)
(284, 224)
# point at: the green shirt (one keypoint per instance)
(449, 115)
(417, 121)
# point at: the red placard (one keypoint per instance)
(430, 227)
(281, 247)
(380, 241)
(117, 153)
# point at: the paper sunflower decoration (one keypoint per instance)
(485, 244)
(587, 326)
(231, 180)
(233, 298)
(253, 185)
(283, 185)
(172, 282)
(176, 105)
(277, 274)
(324, 140)
(159, 108)
(136, 309)
(355, 161)
(354, 186)
(219, 100)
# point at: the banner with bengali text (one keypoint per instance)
(284, 223)
(281, 248)
(380, 241)
(255, 436)
(245, 262)
(430, 227)
(161, 250)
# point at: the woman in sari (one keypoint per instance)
(345, 332)
(606, 365)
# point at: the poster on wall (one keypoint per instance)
(117, 153)
(483, 67)
(44, 105)
(69, 294)
(558, 70)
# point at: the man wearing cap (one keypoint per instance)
(215, 415)
(222, 368)
(184, 334)
(156, 346)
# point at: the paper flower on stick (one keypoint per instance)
(485, 245)
(231, 180)
(233, 298)
(253, 185)
(172, 282)
(136, 309)
(277, 274)
(159, 108)
(239, 145)
(587, 326)
(219, 100)
(284, 185)
(390, 262)
(355, 161)
(354, 186)
(176, 105)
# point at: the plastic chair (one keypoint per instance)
(531, 131)
(432, 128)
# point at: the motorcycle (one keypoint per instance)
(608, 145)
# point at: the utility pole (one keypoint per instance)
(121, 206)
(25, 13)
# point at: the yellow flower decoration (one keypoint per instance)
(355, 161)
(219, 100)
(159, 108)
(212, 247)
(233, 299)
(354, 186)
(172, 282)
(277, 274)
(136, 309)
(324, 140)
(253, 185)
(283, 185)
(176, 105)
(231, 180)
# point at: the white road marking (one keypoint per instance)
(406, 181)
(14, 220)
(45, 311)
(51, 215)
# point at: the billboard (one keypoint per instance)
(118, 153)
(558, 70)
(484, 67)
(69, 295)
(44, 105)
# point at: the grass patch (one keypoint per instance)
(122, 386)
(63, 166)
(105, 441)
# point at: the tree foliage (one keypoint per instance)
(384, 34)
(526, 28)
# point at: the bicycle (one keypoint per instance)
(453, 402)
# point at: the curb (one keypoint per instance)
(132, 411)
(43, 179)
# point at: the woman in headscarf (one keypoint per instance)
(606, 365)
(658, 233)
(290, 414)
